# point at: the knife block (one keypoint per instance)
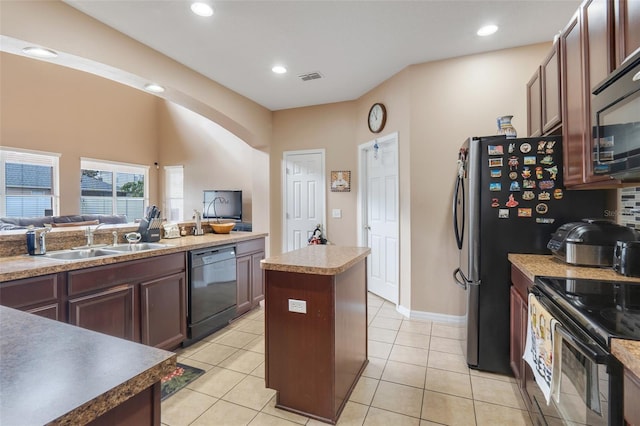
(148, 231)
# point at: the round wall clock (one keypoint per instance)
(377, 117)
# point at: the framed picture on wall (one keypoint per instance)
(340, 181)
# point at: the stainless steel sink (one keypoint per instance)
(129, 248)
(89, 253)
(78, 254)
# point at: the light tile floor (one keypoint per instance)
(416, 375)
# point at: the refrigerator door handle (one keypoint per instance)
(460, 279)
(459, 231)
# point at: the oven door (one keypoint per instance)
(589, 390)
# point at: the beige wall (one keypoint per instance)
(433, 107)
(50, 108)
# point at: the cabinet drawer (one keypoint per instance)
(133, 271)
(29, 291)
(250, 246)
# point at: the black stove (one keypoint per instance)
(605, 309)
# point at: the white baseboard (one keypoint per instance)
(432, 316)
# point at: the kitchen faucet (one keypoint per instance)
(89, 234)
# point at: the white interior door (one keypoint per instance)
(304, 197)
(380, 214)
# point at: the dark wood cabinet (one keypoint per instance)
(534, 105)
(111, 311)
(627, 29)
(37, 295)
(518, 323)
(550, 86)
(631, 398)
(163, 311)
(573, 103)
(250, 278)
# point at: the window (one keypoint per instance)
(174, 192)
(28, 183)
(113, 188)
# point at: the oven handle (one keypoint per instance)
(593, 353)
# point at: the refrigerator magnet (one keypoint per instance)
(544, 196)
(525, 148)
(528, 195)
(495, 202)
(513, 162)
(496, 173)
(549, 148)
(513, 175)
(557, 194)
(503, 213)
(495, 186)
(515, 186)
(495, 162)
(542, 208)
(511, 202)
(512, 147)
(547, 184)
(529, 160)
(529, 184)
(524, 212)
(545, 220)
(526, 172)
(553, 171)
(547, 160)
(539, 172)
(541, 145)
(496, 150)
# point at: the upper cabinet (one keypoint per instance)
(627, 29)
(600, 36)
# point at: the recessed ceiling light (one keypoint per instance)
(201, 9)
(40, 52)
(155, 88)
(487, 30)
(279, 69)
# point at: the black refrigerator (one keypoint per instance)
(509, 198)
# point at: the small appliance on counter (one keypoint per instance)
(590, 242)
(626, 258)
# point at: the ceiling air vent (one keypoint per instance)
(310, 76)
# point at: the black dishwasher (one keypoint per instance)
(212, 291)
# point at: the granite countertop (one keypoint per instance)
(25, 266)
(628, 352)
(536, 265)
(317, 259)
(55, 372)
(540, 265)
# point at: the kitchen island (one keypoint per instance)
(315, 327)
(55, 373)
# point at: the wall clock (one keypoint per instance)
(377, 118)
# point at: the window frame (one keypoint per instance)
(117, 167)
(39, 158)
(169, 198)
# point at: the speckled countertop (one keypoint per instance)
(24, 266)
(317, 259)
(51, 372)
(535, 265)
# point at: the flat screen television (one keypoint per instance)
(227, 205)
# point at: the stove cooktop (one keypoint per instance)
(612, 308)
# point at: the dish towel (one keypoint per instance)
(540, 351)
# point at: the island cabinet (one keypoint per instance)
(250, 279)
(38, 295)
(315, 328)
(139, 300)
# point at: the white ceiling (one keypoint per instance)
(355, 44)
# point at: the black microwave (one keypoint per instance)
(616, 123)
